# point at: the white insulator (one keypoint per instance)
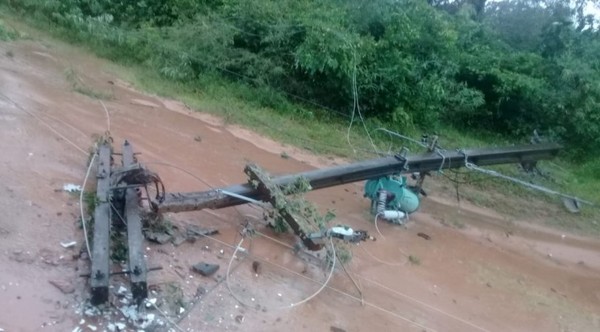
(393, 215)
(382, 199)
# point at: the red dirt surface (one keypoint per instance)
(478, 272)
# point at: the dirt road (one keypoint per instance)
(478, 272)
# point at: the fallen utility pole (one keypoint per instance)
(360, 171)
(101, 251)
(135, 238)
(118, 199)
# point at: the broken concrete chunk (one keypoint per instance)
(178, 240)
(158, 237)
(194, 231)
(205, 269)
(63, 285)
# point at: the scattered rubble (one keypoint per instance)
(71, 188)
(197, 231)
(158, 237)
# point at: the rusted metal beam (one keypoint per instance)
(100, 273)
(135, 238)
(323, 178)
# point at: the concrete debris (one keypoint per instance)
(181, 310)
(71, 188)
(68, 244)
(130, 312)
(92, 327)
(196, 231)
(158, 237)
(147, 321)
(122, 290)
(92, 311)
(120, 326)
(63, 285)
(150, 302)
(111, 327)
(179, 240)
(205, 269)
(77, 329)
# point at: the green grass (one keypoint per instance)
(267, 112)
(7, 33)
(414, 260)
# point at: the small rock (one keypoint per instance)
(111, 327)
(200, 291)
(92, 327)
(205, 269)
(63, 285)
(120, 326)
(197, 138)
(336, 329)
(239, 319)
(179, 240)
(256, 267)
(423, 235)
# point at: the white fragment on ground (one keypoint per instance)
(148, 320)
(77, 329)
(68, 244)
(130, 312)
(122, 290)
(150, 302)
(120, 326)
(111, 327)
(72, 188)
(92, 327)
(181, 310)
(279, 294)
(81, 322)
